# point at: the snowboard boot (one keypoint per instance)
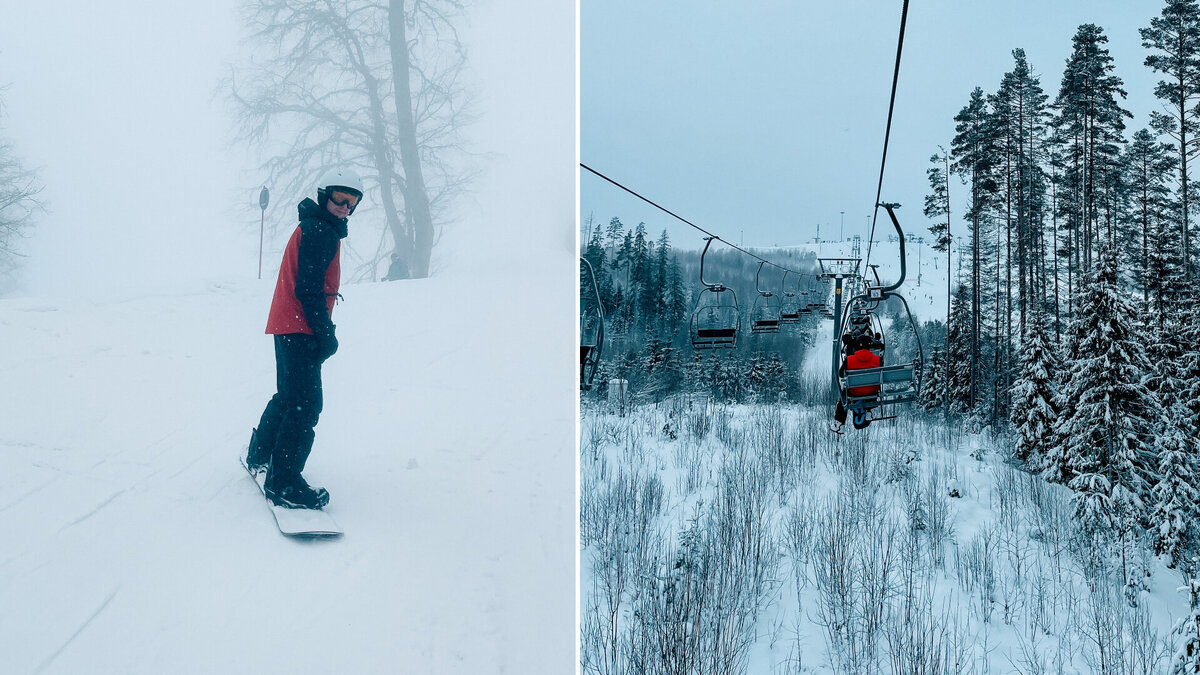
(297, 495)
(256, 457)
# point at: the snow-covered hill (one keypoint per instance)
(135, 543)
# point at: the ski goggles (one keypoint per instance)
(347, 199)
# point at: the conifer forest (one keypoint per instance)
(1034, 510)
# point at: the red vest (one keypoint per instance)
(863, 358)
(286, 314)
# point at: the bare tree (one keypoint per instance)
(19, 190)
(376, 85)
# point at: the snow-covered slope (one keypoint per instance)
(134, 542)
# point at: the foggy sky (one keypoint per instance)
(117, 105)
(113, 102)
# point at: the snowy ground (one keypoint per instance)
(135, 542)
(903, 548)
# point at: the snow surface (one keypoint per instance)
(134, 542)
(1034, 601)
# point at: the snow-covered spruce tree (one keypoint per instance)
(1187, 631)
(1110, 427)
(1093, 504)
(1033, 414)
(959, 387)
(1174, 516)
(1187, 370)
(933, 382)
(775, 380)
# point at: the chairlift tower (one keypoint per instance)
(840, 270)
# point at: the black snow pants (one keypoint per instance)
(285, 432)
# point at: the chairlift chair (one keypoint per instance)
(894, 384)
(591, 325)
(716, 317)
(807, 307)
(765, 312)
(789, 308)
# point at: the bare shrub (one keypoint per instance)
(723, 426)
(925, 640)
(975, 568)
(699, 422)
(853, 559)
(939, 528)
(621, 527)
(691, 462)
(697, 609)
(797, 537)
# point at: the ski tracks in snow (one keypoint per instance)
(104, 605)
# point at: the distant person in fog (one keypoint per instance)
(397, 270)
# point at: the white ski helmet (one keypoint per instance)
(346, 180)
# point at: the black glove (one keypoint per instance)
(326, 344)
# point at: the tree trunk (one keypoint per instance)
(1183, 182)
(949, 245)
(416, 199)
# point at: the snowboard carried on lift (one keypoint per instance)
(309, 523)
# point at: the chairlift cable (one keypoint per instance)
(693, 225)
(888, 133)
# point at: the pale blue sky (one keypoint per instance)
(761, 120)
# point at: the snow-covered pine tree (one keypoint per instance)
(775, 379)
(1174, 516)
(1110, 428)
(1175, 35)
(1187, 655)
(1147, 172)
(1187, 370)
(1090, 123)
(959, 352)
(754, 376)
(933, 382)
(1033, 414)
(1093, 505)
(973, 157)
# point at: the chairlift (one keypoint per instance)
(591, 325)
(789, 308)
(765, 313)
(716, 317)
(807, 307)
(886, 385)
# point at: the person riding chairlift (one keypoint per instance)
(859, 347)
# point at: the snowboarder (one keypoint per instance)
(301, 321)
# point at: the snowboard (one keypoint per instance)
(305, 523)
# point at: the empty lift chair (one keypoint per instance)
(591, 325)
(716, 317)
(789, 306)
(764, 314)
